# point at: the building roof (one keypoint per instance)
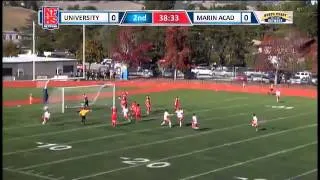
(23, 58)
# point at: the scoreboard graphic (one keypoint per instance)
(51, 17)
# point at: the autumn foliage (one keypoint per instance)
(288, 51)
(129, 50)
(176, 48)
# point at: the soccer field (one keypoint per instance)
(225, 147)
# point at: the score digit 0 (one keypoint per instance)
(246, 17)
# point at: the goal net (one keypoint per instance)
(62, 99)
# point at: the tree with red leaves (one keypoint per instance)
(129, 50)
(176, 48)
(281, 53)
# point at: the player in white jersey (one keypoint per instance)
(166, 118)
(194, 123)
(278, 95)
(254, 122)
(45, 116)
(179, 113)
(125, 112)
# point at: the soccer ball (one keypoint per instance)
(45, 108)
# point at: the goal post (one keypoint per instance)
(102, 95)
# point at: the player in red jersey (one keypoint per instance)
(138, 112)
(148, 104)
(114, 117)
(133, 108)
(177, 103)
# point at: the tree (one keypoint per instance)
(44, 39)
(159, 5)
(93, 51)
(129, 49)
(282, 53)
(177, 50)
(10, 49)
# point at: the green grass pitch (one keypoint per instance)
(224, 148)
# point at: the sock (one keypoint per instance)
(170, 124)
(163, 122)
(180, 123)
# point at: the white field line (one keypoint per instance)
(116, 135)
(120, 134)
(197, 151)
(302, 174)
(101, 125)
(29, 174)
(252, 160)
(148, 144)
(39, 124)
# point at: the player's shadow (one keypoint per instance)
(262, 129)
(188, 124)
(203, 129)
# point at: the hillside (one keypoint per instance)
(15, 17)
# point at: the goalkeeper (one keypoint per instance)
(45, 95)
(85, 100)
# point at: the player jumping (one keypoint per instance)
(148, 104)
(179, 113)
(46, 115)
(254, 122)
(166, 118)
(194, 123)
(45, 95)
(278, 95)
(177, 103)
(114, 117)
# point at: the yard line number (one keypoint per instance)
(137, 161)
(53, 147)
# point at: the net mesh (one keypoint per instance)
(99, 96)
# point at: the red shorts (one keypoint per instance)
(138, 116)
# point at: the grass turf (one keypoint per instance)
(225, 146)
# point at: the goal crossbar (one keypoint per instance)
(88, 86)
